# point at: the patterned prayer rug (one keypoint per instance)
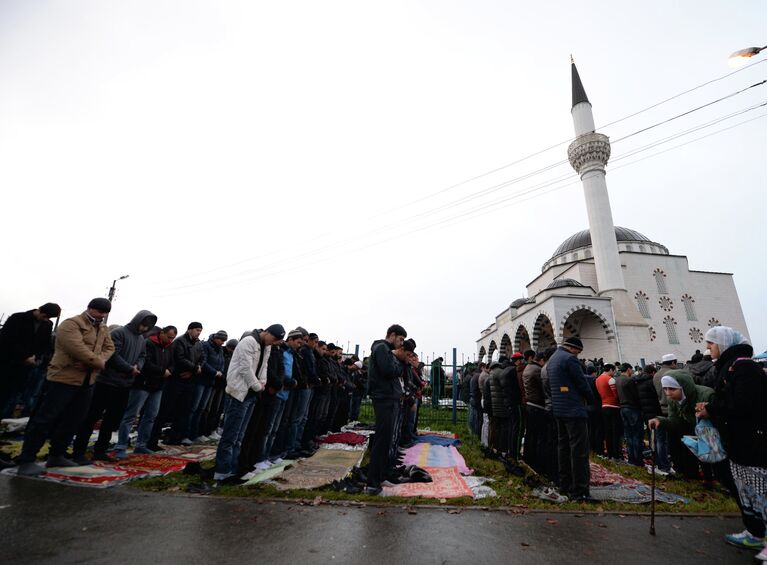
(447, 482)
(322, 468)
(428, 455)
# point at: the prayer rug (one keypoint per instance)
(322, 468)
(13, 425)
(348, 438)
(600, 476)
(88, 475)
(428, 455)
(270, 473)
(447, 482)
(155, 464)
(438, 440)
(191, 452)
(428, 432)
(608, 485)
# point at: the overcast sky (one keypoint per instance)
(260, 162)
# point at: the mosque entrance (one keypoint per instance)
(595, 333)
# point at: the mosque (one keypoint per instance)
(623, 294)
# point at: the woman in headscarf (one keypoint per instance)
(738, 409)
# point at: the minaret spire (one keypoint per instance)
(579, 93)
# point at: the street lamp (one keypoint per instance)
(114, 287)
(740, 58)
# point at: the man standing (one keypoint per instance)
(83, 346)
(113, 385)
(187, 363)
(25, 340)
(384, 370)
(245, 378)
(535, 409)
(631, 413)
(212, 371)
(570, 393)
(611, 411)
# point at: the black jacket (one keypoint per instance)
(309, 365)
(187, 357)
(275, 369)
(497, 394)
(158, 359)
(628, 393)
(384, 370)
(737, 408)
(22, 336)
(648, 398)
(703, 373)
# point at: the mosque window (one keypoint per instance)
(714, 322)
(641, 248)
(670, 324)
(588, 253)
(653, 335)
(696, 335)
(666, 303)
(643, 303)
(660, 280)
(577, 255)
(689, 307)
(630, 247)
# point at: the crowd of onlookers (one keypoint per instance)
(552, 410)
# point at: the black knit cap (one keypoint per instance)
(276, 330)
(574, 342)
(100, 304)
(51, 309)
(194, 326)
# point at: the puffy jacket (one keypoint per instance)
(247, 369)
(187, 356)
(79, 345)
(130, 350)
(475, 397)
(158, 359)
(546, 389)
(648, 400)
(497, 396)
(703, 373)
(520, 371)
(570, 393)
(533, 385)
(737, 408)
(384, 371)
(212, 362)
(681, 416)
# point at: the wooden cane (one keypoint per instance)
(652, 490)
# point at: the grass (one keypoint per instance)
(512, 491)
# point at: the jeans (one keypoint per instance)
(33, 391)
(199, 403)
(58, 416)
(573, 450)
(108, 405)
(298, 416)
(138, 399)
(236, 419)
(274, 407)
(633, 429)
(354, 411)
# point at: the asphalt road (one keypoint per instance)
(48, 523)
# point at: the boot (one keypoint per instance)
(60, 461)
(30, 469)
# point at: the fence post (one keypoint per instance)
(455, 384)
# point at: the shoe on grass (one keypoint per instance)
(60, 461)
(262, 465)
(745, 539)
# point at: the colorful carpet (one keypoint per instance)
(322, 468)
(88, 476)
(348, 438)
(270, 473)
(191, 452)
(428, 455)
(447, 482)
(600, 476)
(608, 485)
(438, 440)
(427, 431)
(154, 464)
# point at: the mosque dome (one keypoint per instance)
(522, 301)
(562, 283)
(578, 246)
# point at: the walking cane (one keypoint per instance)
(652, 490)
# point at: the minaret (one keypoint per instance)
(588, 155)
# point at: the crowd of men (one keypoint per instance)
(552, 410)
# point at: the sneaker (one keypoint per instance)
(745, 539)
(277, 461)
(548, 493)
(248, 476)
(262, 466)
(30, 469)
(762, 555)
(234, 480)
(186, 441)
(658, 471)
(121, 454)
(60, 461)
(201, 439)
(373, 491)
(143, 451)
(215, 436)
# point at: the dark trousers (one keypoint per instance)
(535, 439)
(516, 430)
(573, 449)
(335, 399)
(57, 417)
(551, 450)
(215, 409)
(342, 414)
(108, 405)
(596, 431)
(633, 429)
(280, 445)
(613, 427)
(318, 411)
(181, 408)
(13, 380)
(385, 411)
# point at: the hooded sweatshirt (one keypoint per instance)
(681, 415)
(158, 359)
(130, 350)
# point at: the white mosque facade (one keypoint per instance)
(624, 295)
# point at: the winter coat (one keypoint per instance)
(570, 393)
(309, 366)
(299, 368)
(187, 357)
(247, 369)
(481, 385)
(531, 378)
(497, 395)
(738, 408)
(158, 360)
(275, 372)
(520, 371)
(22, 336)
(663, 371)
(79, 344)
(546, 383)
(628, 394)
(681, 416)
(130, 350)
(475, 397)
(212, 362)
(511, 391)
(703, 373)
(384, 370)
(289, 362)
(487, 395)
(648, 399)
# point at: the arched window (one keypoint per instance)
(670, 324)
(696, 335)
(643, 303)
(588, 253)
(660, 280)
(642, 248)
(689, 307)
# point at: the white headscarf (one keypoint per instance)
(725, 337)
